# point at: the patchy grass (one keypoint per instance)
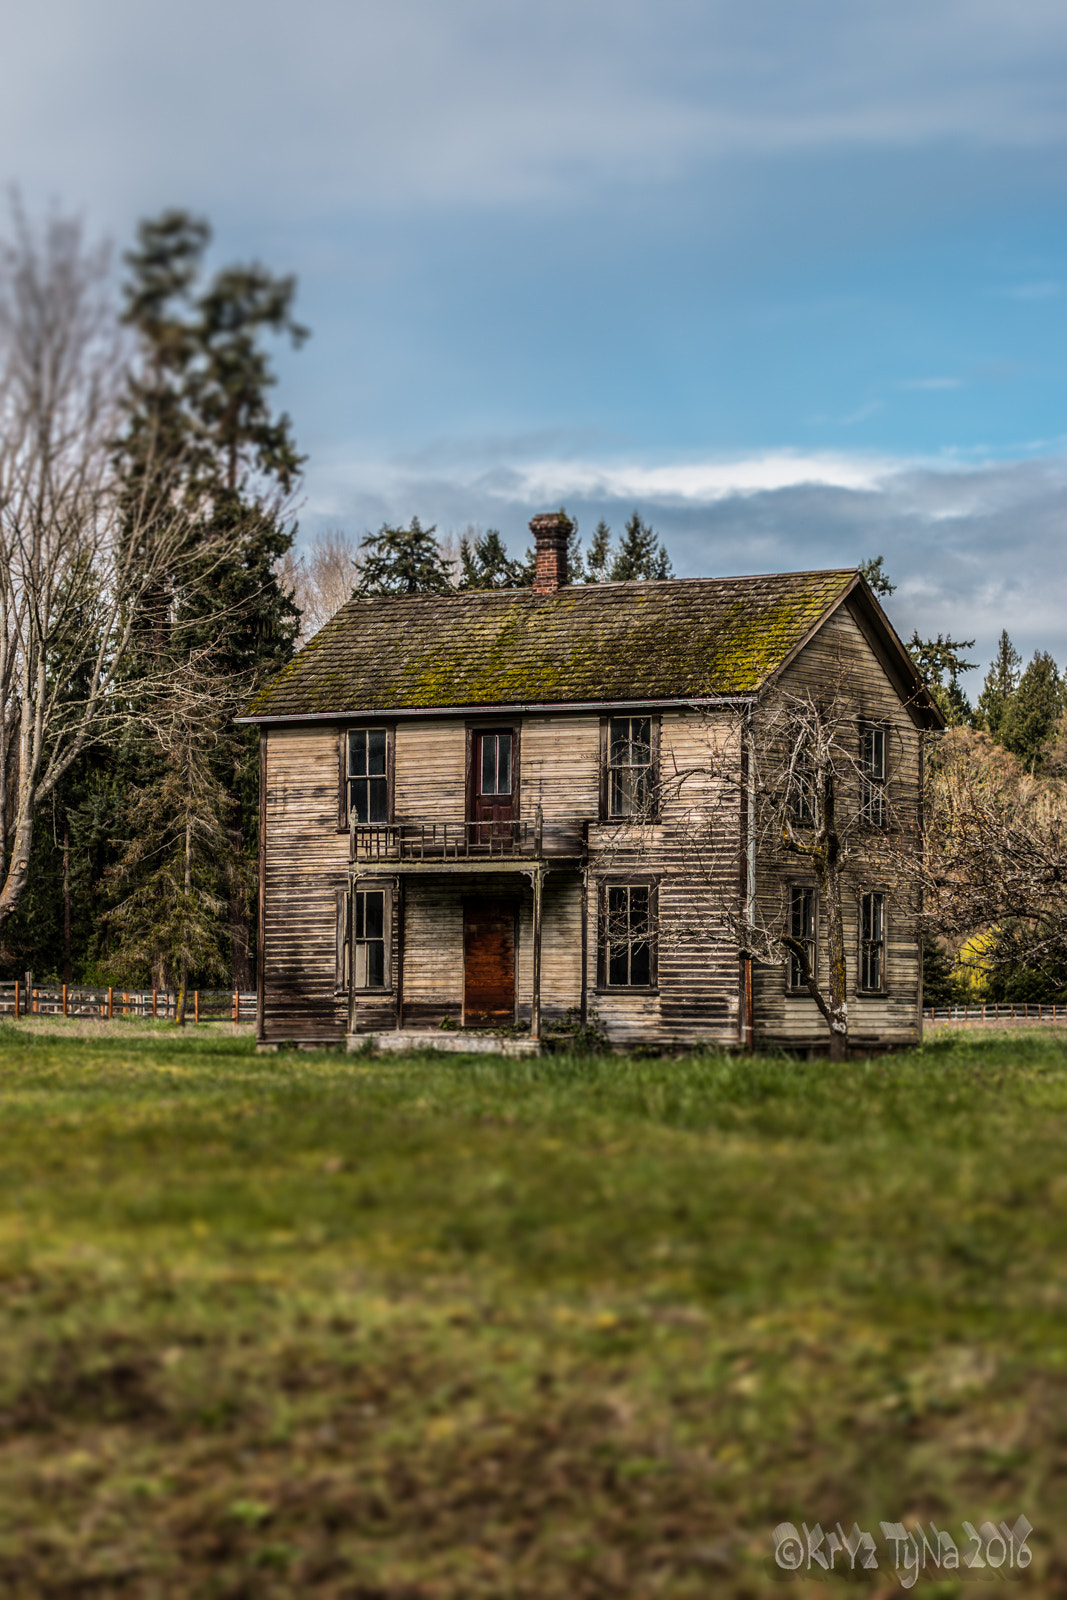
(459, 1327)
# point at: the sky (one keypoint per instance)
(791, 280)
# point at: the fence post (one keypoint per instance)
(196, 1005)
(153, 1002)
(64, 999)
(109, 1007)
(17, 1011)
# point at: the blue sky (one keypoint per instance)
(789, 278)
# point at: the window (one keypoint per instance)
(368, 782)
(872, 941)
(802, 908)
(495, 764)
(361, 929)
(802, 790)
(872, 777)
(630, 767)
(628, 935)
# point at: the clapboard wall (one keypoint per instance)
(840, 661)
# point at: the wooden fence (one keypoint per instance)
(66, 1000)
(1006, 1011)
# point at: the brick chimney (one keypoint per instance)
(550, 532)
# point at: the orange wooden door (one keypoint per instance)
(488, 962)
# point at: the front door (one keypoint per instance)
(493, 778)
(488, 962)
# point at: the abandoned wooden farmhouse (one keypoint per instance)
(513, 809)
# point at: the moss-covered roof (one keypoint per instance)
(684, 639)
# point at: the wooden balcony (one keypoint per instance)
(467, 846)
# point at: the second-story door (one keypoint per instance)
(494, 774)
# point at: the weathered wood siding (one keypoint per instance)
(840, 653)
(306, 863)
(693, 854)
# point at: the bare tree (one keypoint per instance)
(79, 552)
(320, 578)
(807, 777)
(996, 860)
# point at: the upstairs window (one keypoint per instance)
(368, 782)
(628, 935)
(872, 942)
(802, 926)
(630, 767)
(872, 777)
(802, 790)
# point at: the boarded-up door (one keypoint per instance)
(488, 962)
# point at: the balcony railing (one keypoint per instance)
(464, 841)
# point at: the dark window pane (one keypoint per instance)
(375, 965)
(357, 752)
(378, 803)
(640, 964)
(488, 763)
(617, 965)
(638, 911)
(360, 929)
(374, 915)
(503, 765)
(376, 750)
(358, 799)
(641, 735)
(617, 904)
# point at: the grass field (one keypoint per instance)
(457, 1327)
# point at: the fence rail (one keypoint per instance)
(1005, 1011)
(19, 999)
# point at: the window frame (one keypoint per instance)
(863, 943)
(795, 887)
(652, 815)
(344, 820)
(346, 943)
(627, 881)
(874, 785)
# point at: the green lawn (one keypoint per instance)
(308, 1324)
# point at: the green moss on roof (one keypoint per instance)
(682, 639)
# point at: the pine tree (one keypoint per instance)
(940, 662)
(598, 560)
(876, 576)
(201, 431)
(640, 554)
(403, 561)
(1030, 715)
(1001, 682)
(485, 564)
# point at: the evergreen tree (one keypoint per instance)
(876, 576)
(403, 561)
(598, 561)
(940, 662)
(485, 564)
(1030, 715)
(1001, 682)
(201, 430)
(640, 554)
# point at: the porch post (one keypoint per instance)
(398, 941)
(352, 880)
(537, 879)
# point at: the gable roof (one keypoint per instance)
(683, 639)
